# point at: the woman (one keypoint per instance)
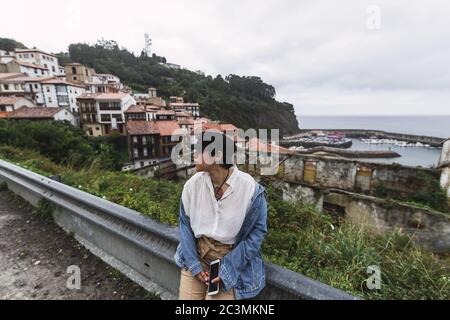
(223, 213)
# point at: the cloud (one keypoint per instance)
(319, 55)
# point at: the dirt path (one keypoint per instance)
(35, 255)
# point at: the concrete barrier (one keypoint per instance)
(139, 247)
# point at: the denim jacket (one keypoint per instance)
(242, 269)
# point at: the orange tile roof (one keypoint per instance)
(228, 127)
(135, 109)
(218, 127)
(4, 114)
(111, 96)
(54, 80)
(183, 114)
(35, 112)
(10, 75)
(34, 50)
(88, 96)
(171, 112)
(166, 128)
(142, 127)
(9, 100)
(31, 65)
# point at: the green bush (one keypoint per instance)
(64, 144)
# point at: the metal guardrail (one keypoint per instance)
(136, 245)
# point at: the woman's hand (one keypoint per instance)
(215, 280)
(203, 277)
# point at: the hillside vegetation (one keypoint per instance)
(245, 101)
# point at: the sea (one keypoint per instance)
(434, 126)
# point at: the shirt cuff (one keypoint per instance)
(196, 269)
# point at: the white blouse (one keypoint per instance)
(218, 219)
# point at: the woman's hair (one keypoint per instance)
(222, 142)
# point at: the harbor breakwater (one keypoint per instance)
(360, 133)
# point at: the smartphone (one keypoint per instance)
(213, 288)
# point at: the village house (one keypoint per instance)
(143, 142)
(141, 112)
(6, 56)
(103, 113)
(10, 85)
(150, 98)
(40, 58)
(12, 103)
(32, 62)
(150, 141)
(78, 73)
(41, 113)
(27, 68)
(178, 104)
(162, 115)
(94, 82)
(56, 92)
(43, 91)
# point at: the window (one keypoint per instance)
(105, 117)
(17, 87)
(45, 65)
(61, 89)
(118, 117)
(48, 88)
(144, 140)
(145, 152)
(35, 86)
(135, 152)
(6, 86)
(53, 68)
(135, 139)
(50, 100)
(74, 78)
(42, 71)
(35, 71)
(74, 70)
(63, 99)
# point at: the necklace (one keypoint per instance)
(217, 189)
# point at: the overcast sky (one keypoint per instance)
(364, 57)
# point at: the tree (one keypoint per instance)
(10, 44)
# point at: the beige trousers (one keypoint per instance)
(193, 289)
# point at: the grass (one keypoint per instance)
(300, 238)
